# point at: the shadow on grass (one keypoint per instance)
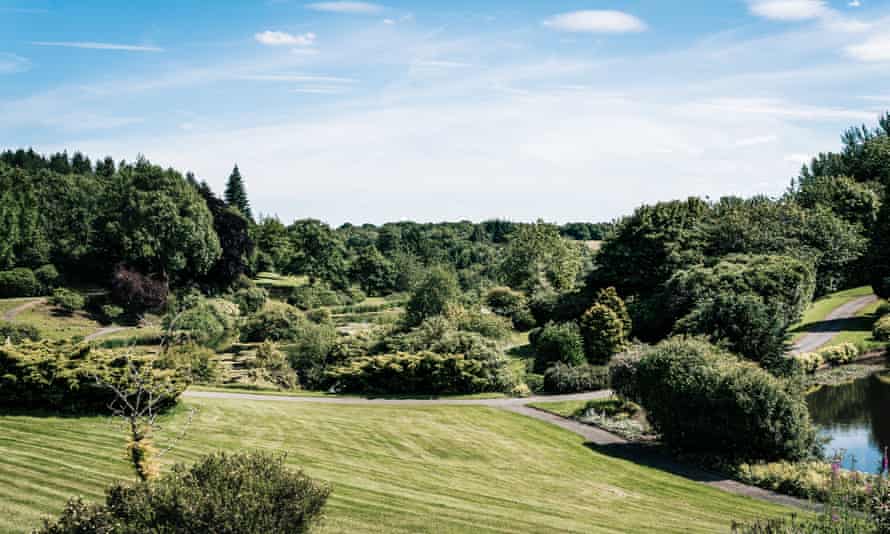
(656, 457)
(861, 323)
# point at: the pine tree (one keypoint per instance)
(236, 196)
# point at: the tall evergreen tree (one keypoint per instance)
(236, 196)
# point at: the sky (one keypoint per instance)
(359, 112)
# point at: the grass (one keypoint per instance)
(562, 408)
(393, 469)
(278, 280)
(54, 325)
(819, 309)
(8, 304)
(859, 331)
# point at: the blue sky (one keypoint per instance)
(446, 110)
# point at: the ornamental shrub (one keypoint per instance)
(250, 299)
(809, 362)
(201, 322)
(703, 400)
(276, 322)
(195, 363)
(558, 342)
(66, 300)
(603, 332)
(307, 297)
(245, 493)
(839, 354)
(881, 329)
(561, 378)
(18, 332)
(48, 276)
(136, 292)
(19, 282)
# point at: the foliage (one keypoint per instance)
(232, 227)
(271, 365)
(878, 257)
(19, 282)
(561, 378)
(881, 329)
(609, 298)
(422, 373)
(275, 322)
(487, 325)
(60, 375)
(558, 342)
(235, 194)
(136, 292)
(199, 321)
(67, 300)
(250, 493)
(703, 400)
(196, 363)
(852, 201)
(603, 333)
(111, 313)
(310, 351)
(436, 290)
(318, 252)
(308, 297)
(839, 354)
(48, 277)
(537, 256)
(375, 274)
(809, 362)
(16, 332)
(250, 299)
(742, 323)
(506, 302)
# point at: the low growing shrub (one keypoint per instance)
(558, 342)
(67, 300)
(18, 332)
(276, 322)
(839, 354)
(19, 282)
(250, 299)
(881, 330)
(247, 493)
(48, 276)
(196, 363)
(561, 378)
(809, 362)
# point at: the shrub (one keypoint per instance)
(603, 332)
(703, 400)
(839, 354)
(199, 323)
(511, 304)
(19, 282)
(319, 315)
(271, 365)
(308, 297)
(883, 309)
(558, 343)
(250, 299)
(310, 350)
(809, 362)
(276, 322)
(609, 298)
(249, 493)
(196, 363)
(136, 292)
(535, 382)
(561, 378)
(485, 324)
(111, 312)
(881, 330)
(48, 276)
(67, 300)
(17, 332)
(61, 375)
(432, 295)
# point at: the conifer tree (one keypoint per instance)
(235, 194)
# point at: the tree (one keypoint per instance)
(159, 223)
(236, 195)
(318, 253)
(603, 332)
(375, 274)
(272, 243)
(537, 256)
(557, 342)
(436, 290)
(878, 259)
(609, 298)
(233, 230)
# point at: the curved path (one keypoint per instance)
(108, 330)
(596, 438)
(10, 315)
(831, 325)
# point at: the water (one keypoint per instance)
(856, 419)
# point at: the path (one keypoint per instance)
(108, 330)
(10, 315)
(598, 439)
(832, 325)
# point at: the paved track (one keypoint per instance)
(832, 325)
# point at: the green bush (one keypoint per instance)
(881, 330)
(200, 323)
(535, 382)
(276, 322)
(250, 299)
(809, 362)
(561, 378)
(487, 325)
(111, 312)
(319, 315)
(271, 365)
(17, 332)
(61, 375)
(423, 373)
(603, 332)
(432, 295)
(246, 493)
(196, 363)
(883, 309)
(511, 304)
(560, 342)
(19, 282)
(839, 354)
(310, 350)
(67, 300)
(307, 297)
(48, 276)
(703, 400)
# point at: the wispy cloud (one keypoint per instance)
(352, 8)
(593, 21)
(789, 10)
(321, 89)
(294, 78)
(757, 140)
(99, 46)
(10, 63)
(875, 49)
(277, 38)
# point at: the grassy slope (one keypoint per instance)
(53, 325)
(394, 469)
(820, 308)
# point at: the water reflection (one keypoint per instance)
(856, 418)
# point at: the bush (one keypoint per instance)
(308, 297)
(535, 382)
(432, 295)
(19, 282)
(247, 493)
(271, 365)
(48, 276)
(67, 300)
(703, 400)
(196, 363)
(881, 330)
(61, 375)
(250, 299)
(310, 350)
(487, 325)
(511, 304)
(275, 322)
(201, 322)
(136, 292)
(558, 343)
(319, 315)
(561, 378)
(111, 312)
(603, 332)
(809, 362)
(839, 354)
(17, 332)
(423, 373)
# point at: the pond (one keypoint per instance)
(855, 417)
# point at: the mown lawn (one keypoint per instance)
(54, 325)
(394, 469)
(820, 309)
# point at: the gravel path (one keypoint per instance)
(596, 438)
(832, 325)
(11, 314)
(108, 330)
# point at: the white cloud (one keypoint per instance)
(874, 49)
(277, 38)
(10, 63)
(854, 3)
(593, 21)
(99, 46)
(352, 8)
(757, 140)
(294, 78)
(789, 10)
(435, 63)
(800, 159)
(389, 21)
